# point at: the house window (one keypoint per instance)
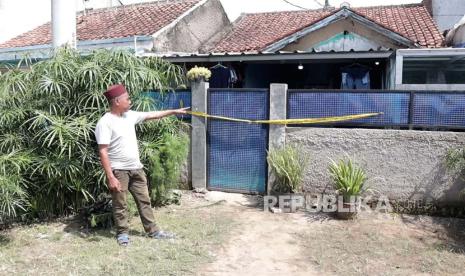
(434, 70)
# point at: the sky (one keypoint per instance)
(19, 16)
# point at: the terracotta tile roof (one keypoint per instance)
(254, 32)
(116, 22)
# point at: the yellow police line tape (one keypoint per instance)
(288, 121)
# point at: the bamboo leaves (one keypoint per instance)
(49, 112)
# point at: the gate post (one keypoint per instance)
(277, 133)
(199, 135)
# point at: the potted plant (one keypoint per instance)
(349, 182)
(288, 166)
(199, 74)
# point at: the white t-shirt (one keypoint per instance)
(120, 134)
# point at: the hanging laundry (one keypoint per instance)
(233, 78)
(355, 78)
(220, 76)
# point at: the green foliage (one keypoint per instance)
(455, 161)
(48, 155)
(288, 165)
(349, 179)
(13, 197)
(165, 165)
(104, 220)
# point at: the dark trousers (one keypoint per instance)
(136, 182)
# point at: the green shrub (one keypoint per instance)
(48, 153)
(349, 179)
(165, 165)
(455, 161)
(13, 197)
(288, 165)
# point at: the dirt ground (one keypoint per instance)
(265, 243)
(230, 234)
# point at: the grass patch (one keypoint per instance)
(49, 248)
(378, 247)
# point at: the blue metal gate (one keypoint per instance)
(237, 151)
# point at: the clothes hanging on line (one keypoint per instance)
(233, 78)
(355, 78)
(222, 77)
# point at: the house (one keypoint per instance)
(308, 49)
(161, 25)
(399, 45)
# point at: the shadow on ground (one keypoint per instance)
(445, 215)
(79, 228)
(4, 240)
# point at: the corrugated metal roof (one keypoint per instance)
(279, 55)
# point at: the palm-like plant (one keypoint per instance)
(48, 160)
(349, 179)
(288, 165)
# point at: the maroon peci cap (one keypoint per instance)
(115, 91)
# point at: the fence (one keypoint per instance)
(231, 156)
(172, 100)
(412, 109)
(404, 109)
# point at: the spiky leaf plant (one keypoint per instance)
(349, 179)
(48, 155)
(288, 165)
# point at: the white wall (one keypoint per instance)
(400, 164)
(447, 13)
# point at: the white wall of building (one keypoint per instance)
(447, 13)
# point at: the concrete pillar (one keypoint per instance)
(278, 111)
(63, 23)
(199, 135)
(399, 69)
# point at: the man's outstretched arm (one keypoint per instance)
(160, 114)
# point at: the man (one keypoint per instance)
(119, 155)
